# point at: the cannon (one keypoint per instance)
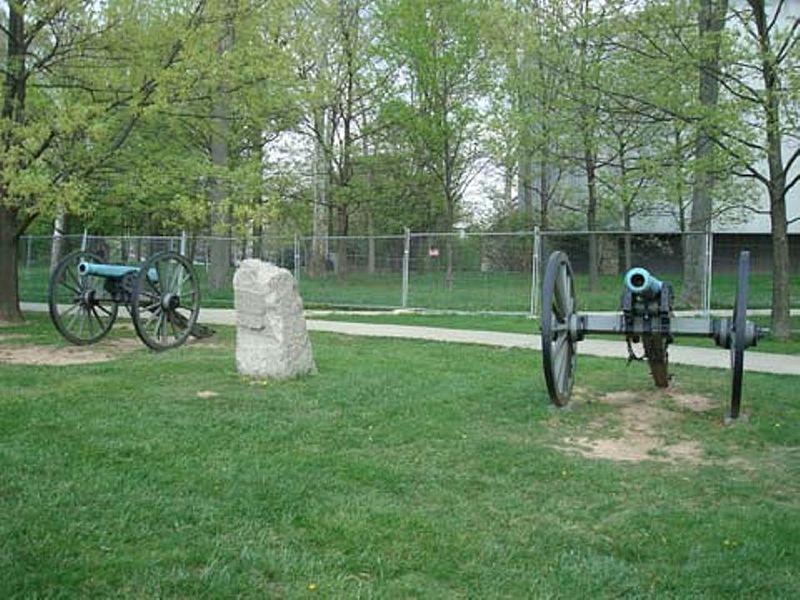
(646, 316)
(162, 297)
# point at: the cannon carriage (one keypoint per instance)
(162, 297)
(646, 316)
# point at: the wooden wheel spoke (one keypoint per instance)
(183, 281)
(566, 372)
(104, 309)
(97, 317)
(557, 311)
(77, 282)
(82, 320)
(71, 288)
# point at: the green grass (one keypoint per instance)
(471, 291)
(524, 324)
(402, 469)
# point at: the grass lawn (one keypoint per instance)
(471, 291)
(523, 324)
(402, 469)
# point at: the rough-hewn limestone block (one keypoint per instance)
(271, 337)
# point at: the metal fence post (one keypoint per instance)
(535, 273)
(297, 258)
(708, 272)
(406, 261)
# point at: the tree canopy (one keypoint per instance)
(367, 116)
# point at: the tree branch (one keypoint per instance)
(24, 223)
(775, 16)
(788, 43)
(791, 184)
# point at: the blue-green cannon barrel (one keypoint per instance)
(641, 282)
(112, 271)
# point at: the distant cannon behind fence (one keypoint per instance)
(646, 316)
(162, 297)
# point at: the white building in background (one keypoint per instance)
(757, 221)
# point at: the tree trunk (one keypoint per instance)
(781, 321)
(220, 244)
(9, 267)
(319, 244)
(448, 278)
(626, 216)
(191, 248)
(370, 242)
(525, 184)
(341, 244)
(591, 216)
(525, 160)
(544, 196)
(57, 243)
(13, 110)
(508, 185)
(711, 21)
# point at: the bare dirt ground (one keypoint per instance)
(32, 354)
(637, 426)
(17, 353)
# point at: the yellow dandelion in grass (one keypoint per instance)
(312, 587)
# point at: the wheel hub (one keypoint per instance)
(170, 301)
(89, 298)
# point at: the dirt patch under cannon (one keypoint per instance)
(18, 353)
(33, 354)
(637, 429)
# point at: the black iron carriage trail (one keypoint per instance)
(646, 316)
(162, 297)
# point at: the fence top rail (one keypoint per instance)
(400, 236)
(417, 234)
(555, 233)
(305, 238)
(80, 236)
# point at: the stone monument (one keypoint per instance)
(271, 337)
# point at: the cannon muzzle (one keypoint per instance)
(641, 282)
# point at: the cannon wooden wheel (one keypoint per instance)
(557, 319)
(81, 306)
(165, 301)
(739, 335)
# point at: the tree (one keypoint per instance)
(711, 21)
(529, 38)
(68, 105)
(747, 107)
(773, 55)
(233, 98)
(437, 48)
(587, 104)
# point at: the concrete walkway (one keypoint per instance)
(688, 355)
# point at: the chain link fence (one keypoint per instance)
(465, 272)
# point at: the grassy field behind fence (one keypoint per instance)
(402, 469)
(471, 291)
